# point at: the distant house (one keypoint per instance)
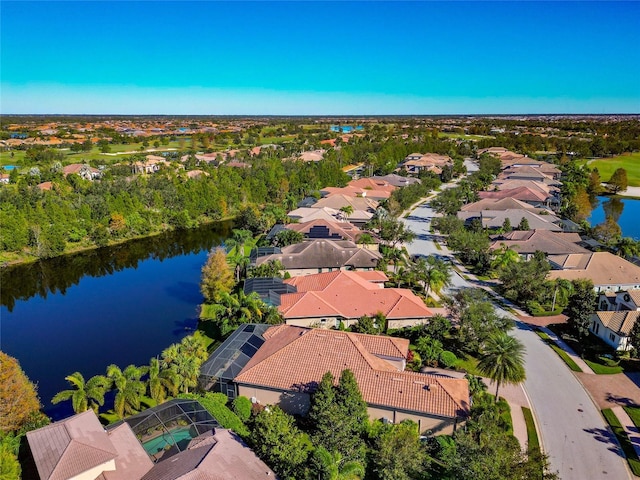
(4, 178)
(497, 204)
(151, 164)
(605, 270)
(322, 255)
(289, 365)
(330, 230)
(312, 156)
(342, 297)
(535, 198)
(432, 162)
(83, 170)
(527, 243)
(614, 327)
(494, 219)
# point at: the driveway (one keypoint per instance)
(571, 429)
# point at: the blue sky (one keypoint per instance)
(319, 57)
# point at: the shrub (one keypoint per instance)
(448, 359)
(213, 403)
(242, 408)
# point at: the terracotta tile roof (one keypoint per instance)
(619, 322)
(70, 447)
(132, 461)
(496, 204)
(298, 360)
(338, 201)
(522, 193)
(348, 295)
(602, 268)
(635, 296)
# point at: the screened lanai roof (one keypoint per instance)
(172, 424)
(269, 289)
(229, 359)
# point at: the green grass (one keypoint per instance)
(603, 369)
(634, 414)
(625, 443)
(561, 353)
(505, 415)
(207, 311)
(468, 364)
(462, 136)
(533, 443)
(630, 162)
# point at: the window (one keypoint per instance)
(612, 337)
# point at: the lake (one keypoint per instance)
(121, 304)
(625, 211)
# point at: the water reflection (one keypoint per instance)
(58, 274)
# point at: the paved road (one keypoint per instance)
(573, 433)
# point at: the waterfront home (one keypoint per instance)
(322, 255)
(291, 361)
(337, 298)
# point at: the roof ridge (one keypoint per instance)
(366, 354)
(246, 370)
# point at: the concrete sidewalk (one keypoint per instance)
(568, 350)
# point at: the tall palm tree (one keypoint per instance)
(333, 468)
(129, 388)
(503, 360)
(84, 395)
(161, 381)
(503, 257)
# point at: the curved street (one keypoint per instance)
(571, 430)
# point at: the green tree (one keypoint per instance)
(277, 441)
(242, 408)
(523, 282)
(370, 325)
(476, 317)
(434, 272)
(523, 225)
(9, 465)
(330, 466)
(287, 237)
(129, 388)
(618, 181)
(506, 225)
(582, 303)
(217, 277)
(84, 395)
(608, 232)
(634, 336)
(161, 381)
(347, 210)
(627, 247)
(502, 360)
(397, 453)
(270, 269)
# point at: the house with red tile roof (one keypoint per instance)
(342, 297)
(83, 170)
(289, 365)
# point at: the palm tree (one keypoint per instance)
(332, 467)
(129, 387)
(503, 360)
(161, 381)
(503, 257)
(185, 366)
(85, 395)
(434, 272)
(347, 210)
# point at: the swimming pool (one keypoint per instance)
(180, 436)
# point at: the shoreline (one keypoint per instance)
(32, 259)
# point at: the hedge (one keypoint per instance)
(215, 404)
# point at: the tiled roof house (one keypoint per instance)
(292, 361)
(327, 299)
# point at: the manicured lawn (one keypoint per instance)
(630, 162)
(561, 353)
(625, 443)
(467, 363)
(533, 443)
(603, 369)
(634, 414)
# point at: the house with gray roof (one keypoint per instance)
(322, 255)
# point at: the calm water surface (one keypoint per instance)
(625, 211)
(119, 305)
